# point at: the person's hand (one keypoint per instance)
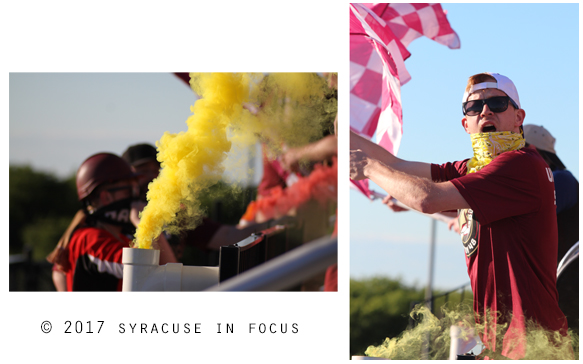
(136, 207)
(388, 200)
(252, 108)
(358, 161)
(290, 160)
(454, 224)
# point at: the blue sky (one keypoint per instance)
(59, 119)
(536, 45)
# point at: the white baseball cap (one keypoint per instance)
(539, 137)
(502, 83)
(542, 140)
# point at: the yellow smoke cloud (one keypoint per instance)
(540, 344)
(293, 111)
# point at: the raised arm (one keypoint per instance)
(375, 151)
(418, 193)
(313, 152)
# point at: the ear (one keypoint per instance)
(465, 124)
(519, 117)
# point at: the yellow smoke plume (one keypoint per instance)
(410, 344)
(293, 110)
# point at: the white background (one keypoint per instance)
(114, 36)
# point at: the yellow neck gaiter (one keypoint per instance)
(488, 146)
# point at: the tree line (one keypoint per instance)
(380, 308)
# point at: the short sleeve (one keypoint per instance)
(508, 186)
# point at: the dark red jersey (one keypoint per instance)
(95, 258)
(510, 240)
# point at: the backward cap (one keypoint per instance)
(98, 169)
(502, 83)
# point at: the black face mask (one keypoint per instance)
(117, 213)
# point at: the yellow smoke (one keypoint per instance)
(293, 109)
(410, 344)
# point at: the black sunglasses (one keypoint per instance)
(496, 104)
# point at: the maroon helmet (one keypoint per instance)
(101, 168)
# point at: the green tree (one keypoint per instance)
(43, 234)
(39, 203)
(379, 308)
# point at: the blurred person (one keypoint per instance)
(505, 195)
(209, 235)
(284, 169)
(107, 188)
(567, 195)
(320, 151)
(142, 160)
(566, 186)
(59, 256)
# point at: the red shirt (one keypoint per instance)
(273, 175)
(95, 258)
(510, 240)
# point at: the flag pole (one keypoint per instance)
(429, 288)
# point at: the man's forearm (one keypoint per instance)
(379, 153)
(418, 193)
(410, 190)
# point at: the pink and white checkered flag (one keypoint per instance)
(411, 21)
(379, 34)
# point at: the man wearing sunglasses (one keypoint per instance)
(506, 202)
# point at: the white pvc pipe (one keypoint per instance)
(142, 272)
(137, 265)
(459, 344)
(454, 333)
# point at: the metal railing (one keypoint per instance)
(430, 302)
(25, 274)
(569, 257)
(286, 270)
